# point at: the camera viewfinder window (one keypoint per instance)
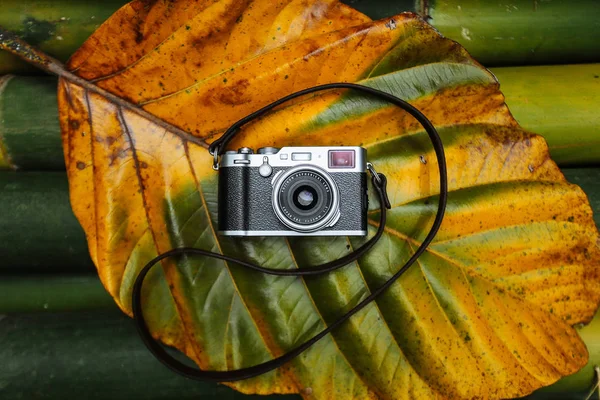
(341, 159)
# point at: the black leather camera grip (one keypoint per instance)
(379, 184)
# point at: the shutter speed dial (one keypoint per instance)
(268, 150)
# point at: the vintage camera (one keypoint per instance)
(293, 191)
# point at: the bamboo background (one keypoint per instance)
(61, 332)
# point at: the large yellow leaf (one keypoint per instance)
(486, 312)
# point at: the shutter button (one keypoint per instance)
(265, 170)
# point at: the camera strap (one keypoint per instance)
(379, 182)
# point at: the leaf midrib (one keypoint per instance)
(125, 128)
(383, 318)
(93, 157)
(318, 312)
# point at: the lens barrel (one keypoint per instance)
(305, 198)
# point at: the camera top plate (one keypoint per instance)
(329, 158)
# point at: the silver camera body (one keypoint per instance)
(293, 191)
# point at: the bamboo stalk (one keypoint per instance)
(517, 32)
(29, 130)
(102, 349)
(53, 293)
(58, 27)
(558, 102)
(561, 103)
(521, 32)
(38, 231)
(95, 356)
(496, 32)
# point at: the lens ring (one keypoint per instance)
(315, 214)
(310, 182)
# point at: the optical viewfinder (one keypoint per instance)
(341, 158)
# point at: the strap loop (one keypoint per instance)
(215, 153)
(380, 183)
(374, 173)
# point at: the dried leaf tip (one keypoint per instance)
(12, 43)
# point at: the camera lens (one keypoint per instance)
(305, 198)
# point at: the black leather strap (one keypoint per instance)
(379, 183)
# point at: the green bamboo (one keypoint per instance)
(496, 32)
(516, 32)
(561, 103)
(38, 231)
(92, 356)
(59, 27)
(53, 293)
(558, 102)
(521, 32)
(103, 350)
(29, 129)
(99, 354)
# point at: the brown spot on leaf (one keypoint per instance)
(74, 124)
(139, 36)
(235, 94)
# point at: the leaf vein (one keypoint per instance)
(301, 279)
(125, 129)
